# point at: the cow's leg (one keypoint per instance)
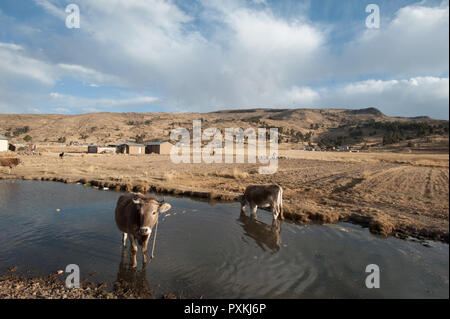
(242, 208)
(133, 260)
(281, 211)
(133, 244)
(124, 239)
(244, 205)
(275, 214)
(274, 210)
(144, 249)
(254, 207)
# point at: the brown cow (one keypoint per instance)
(269, 195)
(135, 216)
(9, 162)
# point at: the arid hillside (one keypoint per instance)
(362, 128)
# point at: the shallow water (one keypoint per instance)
(211, 251)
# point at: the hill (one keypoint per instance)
(324, 127)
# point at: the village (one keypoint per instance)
(131, 148)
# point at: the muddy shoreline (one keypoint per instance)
(375, 224)
(52, 286)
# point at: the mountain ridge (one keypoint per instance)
(296, 125)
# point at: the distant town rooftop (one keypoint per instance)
(156, 142)
(131, 144)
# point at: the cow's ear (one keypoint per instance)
(164, 207)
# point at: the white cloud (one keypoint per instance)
(10, 46)
(34, 110)
(69, 102)
(51, 8)
(61, 110)
(260, 2)
(301, 97)
(414, 43)
(124, 102)
(246, 56)
(87, 74)
(15, 65)
(56, 95)
(407, 97)
(18, 64)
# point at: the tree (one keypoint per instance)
(27, 138)
(307, 137)
(139, 138)
(21, 130)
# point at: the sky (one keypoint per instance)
(207, 55)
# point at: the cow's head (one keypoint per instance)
(148, 212)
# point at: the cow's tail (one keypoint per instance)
(280, 202)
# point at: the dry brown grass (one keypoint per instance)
(234, 174)
(169, 176)
(438, 160)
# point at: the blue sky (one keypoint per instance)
(205, 55)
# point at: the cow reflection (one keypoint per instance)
(264, 235)
(132, 282)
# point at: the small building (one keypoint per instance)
(158, 147)
(95, 149)
(106, 150)
(131, 148)
(4, 145)
(343, 148)
(92, 149)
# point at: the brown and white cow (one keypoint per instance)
(9, 162)
(269, 195)
(135, 217)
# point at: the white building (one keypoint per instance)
(3, 143)
(343, 148)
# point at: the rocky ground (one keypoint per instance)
(26, 286)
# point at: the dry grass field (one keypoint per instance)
(392, 194)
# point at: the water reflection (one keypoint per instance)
(132, 282)
(264, 235)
